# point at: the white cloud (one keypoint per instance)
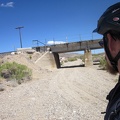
(55, 42)
(9, 4)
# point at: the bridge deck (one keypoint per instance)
(71, 47)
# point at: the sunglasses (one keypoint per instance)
(101, 43)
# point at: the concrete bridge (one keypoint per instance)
(85, 46)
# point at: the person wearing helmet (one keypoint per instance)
(109, 26)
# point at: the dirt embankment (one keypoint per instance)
(72, 93)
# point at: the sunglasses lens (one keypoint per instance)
(101, 43)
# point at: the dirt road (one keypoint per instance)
(76, 93)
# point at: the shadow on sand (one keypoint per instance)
(72, 66)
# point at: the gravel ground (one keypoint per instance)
(75, 93)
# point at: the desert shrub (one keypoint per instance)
(66, 61)
(102, 64)
(61, 63)
(82, 57)
(30, 57)
(14, 71)
(95, 56)
(77, 57)
(72, 59)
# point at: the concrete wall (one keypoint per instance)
(57, 60)
(88, 58)
(46, 61)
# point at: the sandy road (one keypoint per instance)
(85, 89)
(66, 94)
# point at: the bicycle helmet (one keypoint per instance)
(110, 20)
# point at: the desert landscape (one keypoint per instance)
(67, 93)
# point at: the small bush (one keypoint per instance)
(82, 57)
(61, 63)
(102, 64)
(30, 57)
(14, 71)
(72, 59)
(66, 61)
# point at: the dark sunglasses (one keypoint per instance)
(101, 43)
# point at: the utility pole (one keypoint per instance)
(66, 39)
(80, 37)
(19, 28)
(53, 41)
(92, 36)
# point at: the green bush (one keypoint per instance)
(72, 59)
(30, 57)
(102, 64)
(14, 71)
(82, 57)
(66, 61)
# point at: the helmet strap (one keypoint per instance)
(117, 57)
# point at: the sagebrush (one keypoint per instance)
(14, 71)
(72, 59)
(103, 64)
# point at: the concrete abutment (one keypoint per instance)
(57, 60)
(47, 61)
(88, 58)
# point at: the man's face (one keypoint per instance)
(112, 46)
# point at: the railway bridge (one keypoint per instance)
(85, 46)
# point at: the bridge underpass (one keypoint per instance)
(85, 46)
(71, 59)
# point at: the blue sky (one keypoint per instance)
(48, 20)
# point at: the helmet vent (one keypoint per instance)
(116, 19)
(115, 10)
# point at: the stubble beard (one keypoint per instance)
(110, 69)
